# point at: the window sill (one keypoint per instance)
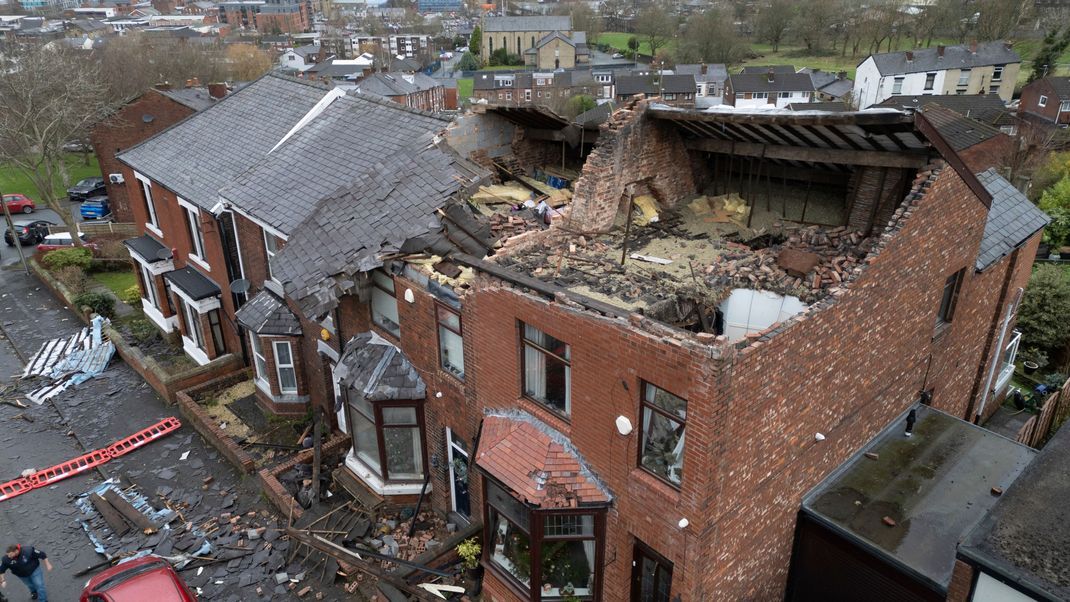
(546, 414)
(195, 352)
(197, 260)
(376, 484)
(152, 228)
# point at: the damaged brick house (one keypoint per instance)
(633, 401)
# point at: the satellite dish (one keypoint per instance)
(240, 286)
(147, 118)
(164, 254)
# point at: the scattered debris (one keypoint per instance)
(69, 361)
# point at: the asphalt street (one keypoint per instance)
(10, 255)
(93, 415)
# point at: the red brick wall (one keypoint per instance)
(1030, 101)
(994, 152)
(126, 128)
(961, 583)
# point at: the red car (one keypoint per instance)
(19, 203)
(147, 578)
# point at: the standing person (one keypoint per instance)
(25, 563)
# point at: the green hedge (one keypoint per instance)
(61, 258)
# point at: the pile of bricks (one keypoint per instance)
(836, 252)
(503, 225)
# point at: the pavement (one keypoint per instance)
(93, 415)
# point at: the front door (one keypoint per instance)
(651, 576)
(458, 459)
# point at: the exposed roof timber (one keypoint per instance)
(811, 155)
(927, 129)
(817, 132)
(778, 134)
(832, 119)
(758, 133)
(842, 136)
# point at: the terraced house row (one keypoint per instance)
(631, 389)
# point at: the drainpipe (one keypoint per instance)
(997, 353)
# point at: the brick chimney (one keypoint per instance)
(703, 68)
(189, 83)
(910, 56)
(217, 90)
(368, 71)
(1008, 45)
(940, 50)
(973, 46)
(770, 76)
(196, 82)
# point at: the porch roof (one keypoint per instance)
(378, 370)
(148, 248)
(267, 314)
(196, 285)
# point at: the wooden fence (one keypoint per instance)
(92, 229)
(1056, 407)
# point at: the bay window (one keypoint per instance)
(450, 342)
(260, 362)
(661, 449)
(545, 554)
(384, 303)
(388, 437)
(193, 324)
(284, 367)
(547, 369)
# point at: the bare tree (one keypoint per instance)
(774, 20)
(656, 24)
(999, 18)
(710, 37)
(49, 98)
(585, 19)
(133, 63)
(247, 62)
(814, 23)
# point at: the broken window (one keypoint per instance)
(388, 438)
(547, 370)
(564, 547)
(664, 417)
(950, 298)
(450, 342)
(384, 304)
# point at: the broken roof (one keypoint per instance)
(954, 57)
(393, 206)
(267, 314)
(1012, 220)
(1025, 536)
(516, 448)
(198, 156)
(935, 485)
(351, 136)
(378, 370)
(959, 131)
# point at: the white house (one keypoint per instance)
(990, 68)
(753, 90)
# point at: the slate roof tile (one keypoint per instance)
(1012, 220)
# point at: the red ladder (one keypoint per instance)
(88, 461)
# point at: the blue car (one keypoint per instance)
(96, 208)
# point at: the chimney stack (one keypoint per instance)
(1008, 45)
(973, 46)
(196, 82)
(702, 69)
(217, 90)
(910, 56)
(189, 83)
(368, 71)
(841, 75)
(940, 50)
(770, 76)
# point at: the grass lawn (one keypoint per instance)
(619, 40)
(14, 180)
(464, 89)
(117, 281)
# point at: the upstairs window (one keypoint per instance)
(897, 86)
(384, 303)
(284, 367)
(150, 206)
(1064, 105)
(949, 298)
(271, 249)
(930, 81)
(547, 368)
(964, 78)
(1042, 101)
(450, 341)
(193, 227)
(664, 417)
(997, 73)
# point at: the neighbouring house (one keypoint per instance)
(1046, 101)
(341, 70)
(550, 39)
(830, 87)
(414, 90)
(988, 68)
(504, 88)
(265, 16)
(302, 58)
(138, 120)
(709, 78)
(673, 89)
(608, 427)
(984, 108)
(773, 87)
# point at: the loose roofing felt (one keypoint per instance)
(954, 57)
(200, 155)
(1012, 219)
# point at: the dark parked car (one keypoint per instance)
(87, 188)
(30, 232)
(146, 578)
(96, 208)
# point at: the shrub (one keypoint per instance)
(468, 62)
(131, 296)
(469, 551)
(71, 277)
(99, 302)
(80, 258)
(1045, 306)
(112, 249)
(143, 331)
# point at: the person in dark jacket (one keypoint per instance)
(25, 563)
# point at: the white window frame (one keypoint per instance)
(269, 254)
(930, 81)
(150, 286)
(192, 216)
(380, 289)
(964, 78)
(897, 85)
(259, 362)
(1064, 106)
(1042, 101)
(146, 193)
(1007, 369)
(761, 96)
(997, 73)
(279, 366)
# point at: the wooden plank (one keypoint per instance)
(811, 155)
(110, 514)
(130, 513)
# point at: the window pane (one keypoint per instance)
(568, 568)
(451, 351)
(404, 456)
(385, 311)
(282, 354)
(399, 416)
(547, 342)
(383, 280)
(663, 446)
(449, 318)
(366, 442)
(546, 379)
(512, 548)
(666, 401)
(508, 505)
(287, 380)
(566, 525)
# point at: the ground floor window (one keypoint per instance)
(549, 554)
(388, 437)
(148, 286)
(193, 324)
(259, 361)
(284, 367)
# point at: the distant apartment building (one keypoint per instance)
(989, 68)
(265, 16)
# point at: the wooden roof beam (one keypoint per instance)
(811, 155)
